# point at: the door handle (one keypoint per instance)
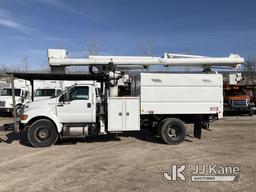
(127, 113)
(89, 105)
(60, 105)
(120, 113)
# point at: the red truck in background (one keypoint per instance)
(239, 98)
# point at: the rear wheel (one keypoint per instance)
(42, 133)
(172, 131)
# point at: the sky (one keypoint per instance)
(204, 27)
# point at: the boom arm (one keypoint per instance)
(58, 57)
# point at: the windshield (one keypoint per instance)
(8, 92)
(45, 93)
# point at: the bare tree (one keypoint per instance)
(249, 68)
(9, 68)
(93, 46)
(45, 67)
(250, 64)
(188, 51)
(3, 68)
(146, 48)
(25, 63)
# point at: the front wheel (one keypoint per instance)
(42, 133)
(172, 131)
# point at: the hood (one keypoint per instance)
(45, 103)
(239, 97)
(4, 98)
(41, 98)
(8, 99)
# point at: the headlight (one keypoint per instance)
(24, 117)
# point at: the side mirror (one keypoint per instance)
(67, 95)
(64, 97)
(22, 98)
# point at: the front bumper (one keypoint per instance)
(237, 109)
(5, 110)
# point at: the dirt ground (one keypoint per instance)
(129, 162)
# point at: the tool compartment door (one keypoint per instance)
(115, 114)
(132, 114)
(123, 114)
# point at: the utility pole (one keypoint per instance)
(16, 128)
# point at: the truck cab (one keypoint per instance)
(72, 113)
(77, 105)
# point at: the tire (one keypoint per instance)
(159, 127)
(172, 131)
(42, 133)
(24, 137)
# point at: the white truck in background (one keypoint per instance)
(165, 103)
(47, 89)
(22, 89)
(3, 83)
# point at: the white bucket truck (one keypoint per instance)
(22, 91)
(165, 102)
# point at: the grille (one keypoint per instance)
(2, 103)
(239, 103)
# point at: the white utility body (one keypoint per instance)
(167, 94)
(163, 93)
(164, 103)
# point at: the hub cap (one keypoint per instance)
(172, 132)
(43, 134)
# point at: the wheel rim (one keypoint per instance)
(173, 132)
(42, 134)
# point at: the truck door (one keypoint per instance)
(77, 106)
